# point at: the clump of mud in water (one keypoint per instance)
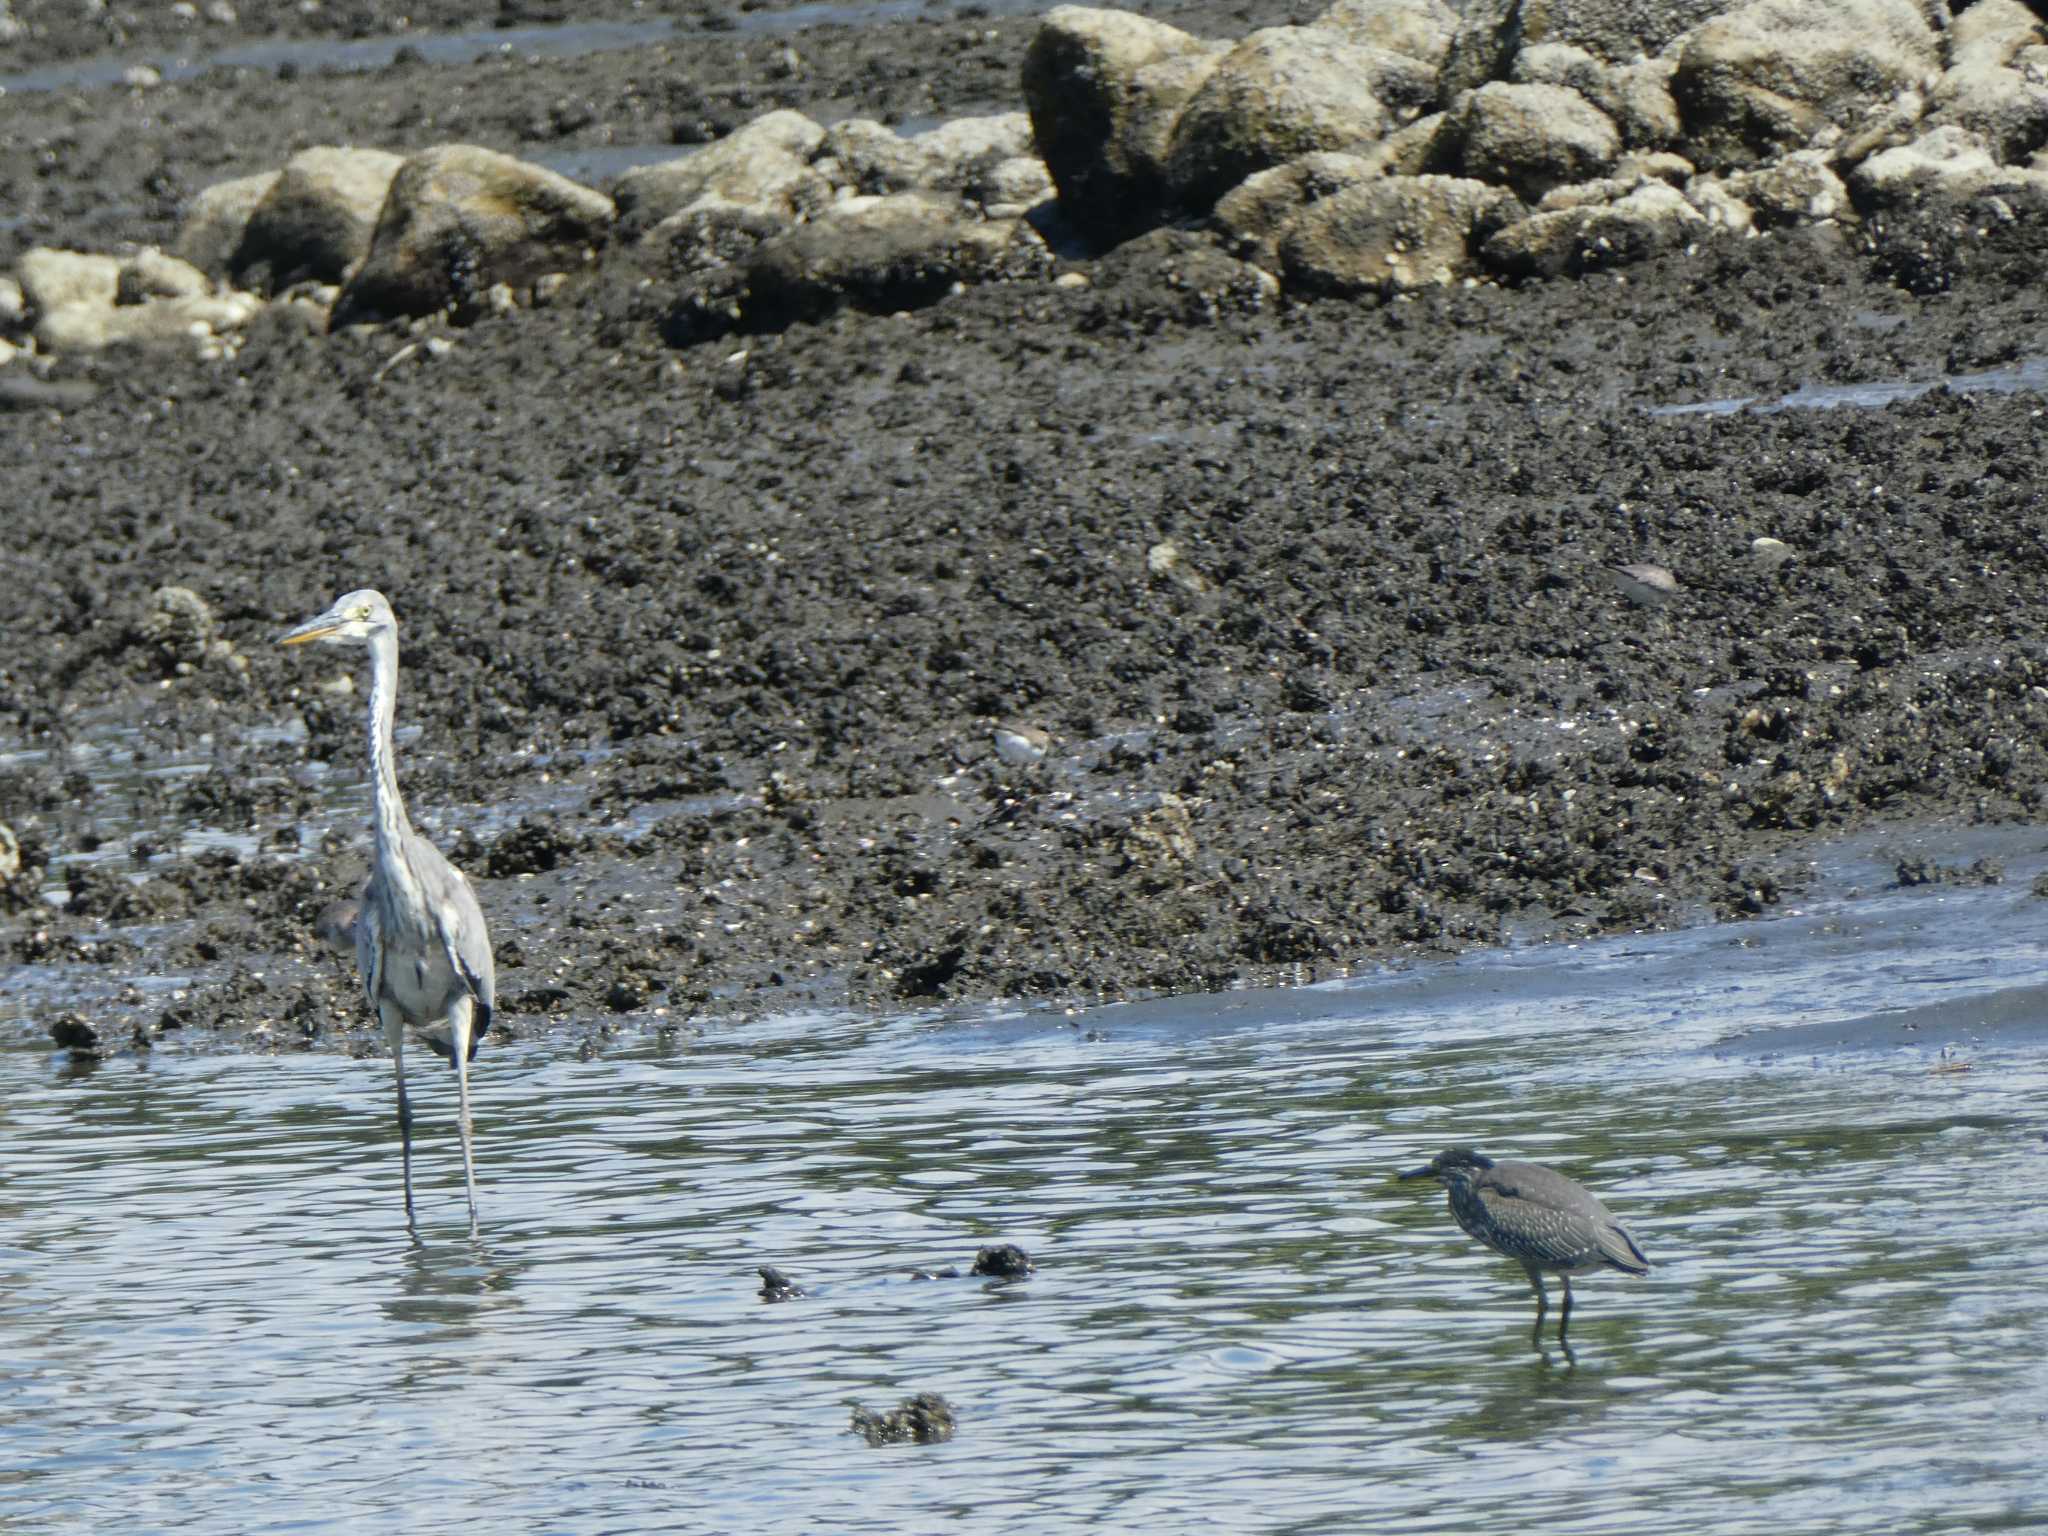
(1004, 1261)
(924, 1419)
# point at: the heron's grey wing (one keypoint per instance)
(460, 918)
(370, 946)
(1618, 1248)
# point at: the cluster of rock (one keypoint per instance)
(1388, 145)
(1392, 144)
(783, 218)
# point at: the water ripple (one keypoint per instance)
(212, 1319)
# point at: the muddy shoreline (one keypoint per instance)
(704, 645)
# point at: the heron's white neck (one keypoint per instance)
(391, 824)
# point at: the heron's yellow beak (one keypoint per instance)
(312, 630)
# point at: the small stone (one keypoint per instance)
(1651, 586)
(1019, 744)
(71, 1032)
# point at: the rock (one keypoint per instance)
(1421, 29)
(954, 157)
(1020, 182)
(1650, 219)
(1254, 214)
(1392, 234)
(879, 253)
(957, 151)
(1720, 206)
(1178, 272)
(1946, 161)
(1779, 75)
(1799, 189)
(192, 322)
(13, 303)
(52, 279)
(1637, 97)
(178, 624)
(10, 853)
(1992, 32)
(1535, 137)
(1493, 33)
(2007, 108)
(1281, 93)
(211, 232)
(74, 1033)
(872, 158)
(1655, 165)
(150, 274)
(1104, 90)
(459, 220)
(1769, 553)
(316, 220)
(766, 163)
(711, 233)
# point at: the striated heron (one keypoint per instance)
(1536, 1216)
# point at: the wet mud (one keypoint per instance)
(705, 644)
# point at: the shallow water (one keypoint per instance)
(211, 1317)
(552, 41)
(2028, 375)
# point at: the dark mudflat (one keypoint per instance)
(1311, 599)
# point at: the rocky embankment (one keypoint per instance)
(1386, 146)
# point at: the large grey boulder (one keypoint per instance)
(1779, 75)
(1281, 93)
(764, 164)
(51, 278)
(881, 253)
(1104, 89)
(1253, 216)
(1392, 234)
(316, 219)
(1535, 137)
(1421, 29)
(211, 231)
(151, 273)
(461, 221)
(1492, 33)
(960, 155)
(1993, 32)
(192, 323)
(1802, 188)
(1650, 219)
(1636, 97)
(1946, 162)
(2006, 107)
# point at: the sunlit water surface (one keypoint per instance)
(212, 1318)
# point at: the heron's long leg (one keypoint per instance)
(461, 1018)
(394, 1033)
(1565, 1321)
(1542, 1304)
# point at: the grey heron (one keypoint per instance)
(1537, 1216)
(420, 940)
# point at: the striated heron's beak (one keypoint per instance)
(1425, 1171)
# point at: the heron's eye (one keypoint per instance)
(363, 613)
